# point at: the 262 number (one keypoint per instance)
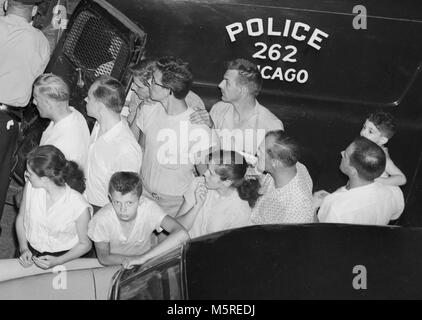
(274, 52)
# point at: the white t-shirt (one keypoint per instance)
(373, 204)
(52, 230)
(218, 213)
(290, 204)
(24, 52)
(70, 135)
(172, 144)
(105, 227)
(116, 150)
(245, 136)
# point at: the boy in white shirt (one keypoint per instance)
(379, 128)
(122, 229)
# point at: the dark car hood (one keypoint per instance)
(305, 262)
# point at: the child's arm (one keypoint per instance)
(396, 176)
(105, 257)
(177, 236)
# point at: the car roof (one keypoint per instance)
(305, 261)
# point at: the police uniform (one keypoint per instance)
(24, 54)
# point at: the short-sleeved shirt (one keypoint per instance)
(24, 52)
(70, 135)
(53, 229)
(290, 204)
(372, 204)
(219, 213)
(116, 150)
(172, 144)
(252, 131)
(105, 227)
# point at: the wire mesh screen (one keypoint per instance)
(94, 46)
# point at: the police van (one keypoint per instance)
(325, 65)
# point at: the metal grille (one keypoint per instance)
(94, 46)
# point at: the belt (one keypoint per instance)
(16, 113)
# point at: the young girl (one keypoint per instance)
(220, 200)
(53, 218)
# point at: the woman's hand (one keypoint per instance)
(26, 258)
(200, 193)
(46, 262)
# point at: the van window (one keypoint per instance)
(93, 45)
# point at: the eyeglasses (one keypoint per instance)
(153, 81)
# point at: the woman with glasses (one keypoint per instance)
(53, 218)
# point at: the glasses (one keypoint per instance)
(153, 81)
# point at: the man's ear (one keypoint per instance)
(5, 5)
(34, 11)
(276, 163)
(383, 140)
(353, 171)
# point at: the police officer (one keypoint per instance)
(24, 54)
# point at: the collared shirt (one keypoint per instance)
(373, 204)
(290, 204)
(53, 229)
(218, 212)
(105, 226)
(172, 144)
(247, 135)
(70, 135)
(115, 150)
(24, 54)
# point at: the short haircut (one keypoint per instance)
(249, 74)
(52, 86)
(143, 70)
(176, 75)
(125, 182)
(284, 149)
(384, 123)
(110, 92)
(367, 158)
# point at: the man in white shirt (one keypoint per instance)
(68, 130)
(113, 147)
(239, 119)
(173, 144)
(362, 201)
(24, 54)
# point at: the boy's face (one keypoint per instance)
(126, 205)
(371, 132)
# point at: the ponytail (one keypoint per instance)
(74, 176)
(48, 161)
(249, 191)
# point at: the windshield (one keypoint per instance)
(156, 284)
(158, 279)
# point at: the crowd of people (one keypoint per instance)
(158, 168)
